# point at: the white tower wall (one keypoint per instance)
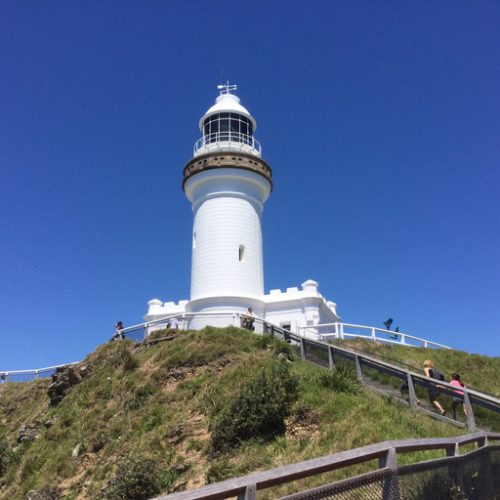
(227, 237)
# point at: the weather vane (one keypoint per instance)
(226, 88)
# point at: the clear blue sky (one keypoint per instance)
(380, 120)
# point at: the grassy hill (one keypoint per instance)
(201, 407)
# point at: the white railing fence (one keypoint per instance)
(223, 140)
(27, 375)
(328, 331)
(325, 331)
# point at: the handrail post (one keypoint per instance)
(330, 358)
(341, 330)
(402, 337)
(250, 493)
(359, 372)
(486, 469)
(411, 391)
(374, 335)
(471, 422)
(302, 349)
(390, 487)
(37, 376)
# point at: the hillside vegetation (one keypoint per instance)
(201, 407)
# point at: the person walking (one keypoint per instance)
(458, 397)
(432, 372)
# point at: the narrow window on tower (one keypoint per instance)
(241, 252)
(194, 240)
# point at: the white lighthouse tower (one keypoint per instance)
(227, 183)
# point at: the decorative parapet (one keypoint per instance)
(158, 308)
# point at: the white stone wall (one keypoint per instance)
(295, 307)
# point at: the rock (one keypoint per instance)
(98, 443)
(176, 374)
(46, 493)
(76, 450)
(176, 435)
(27, 433)
(63, 380)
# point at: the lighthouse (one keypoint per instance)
(227, 183)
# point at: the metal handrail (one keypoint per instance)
(339, 332)
(183, 317)
(386, 453)
(36, 372)
(235, 138)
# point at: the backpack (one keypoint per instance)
(437, 374)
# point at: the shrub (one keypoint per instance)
(340, 379)
(123, 358)
(258, 410)
(276, 345)
(136, 479)
(220, 470)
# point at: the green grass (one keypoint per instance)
(155, 404)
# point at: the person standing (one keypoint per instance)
(173, 325)
(118, 331)
(248, 320)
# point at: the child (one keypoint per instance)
(459, 395)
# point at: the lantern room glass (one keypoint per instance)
(228, 127)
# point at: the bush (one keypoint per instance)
(340, 379)
(258, 410)
(281, 348)
(136, 479)
(123, 358)
(220, 470)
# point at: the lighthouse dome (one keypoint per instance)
(227, 103)
(227, 126)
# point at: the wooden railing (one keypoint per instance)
(386, 480)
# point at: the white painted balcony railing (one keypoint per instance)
(223, 141)
(347, 330)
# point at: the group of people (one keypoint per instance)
(458, 397)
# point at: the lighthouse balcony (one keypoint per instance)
(227, 141)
